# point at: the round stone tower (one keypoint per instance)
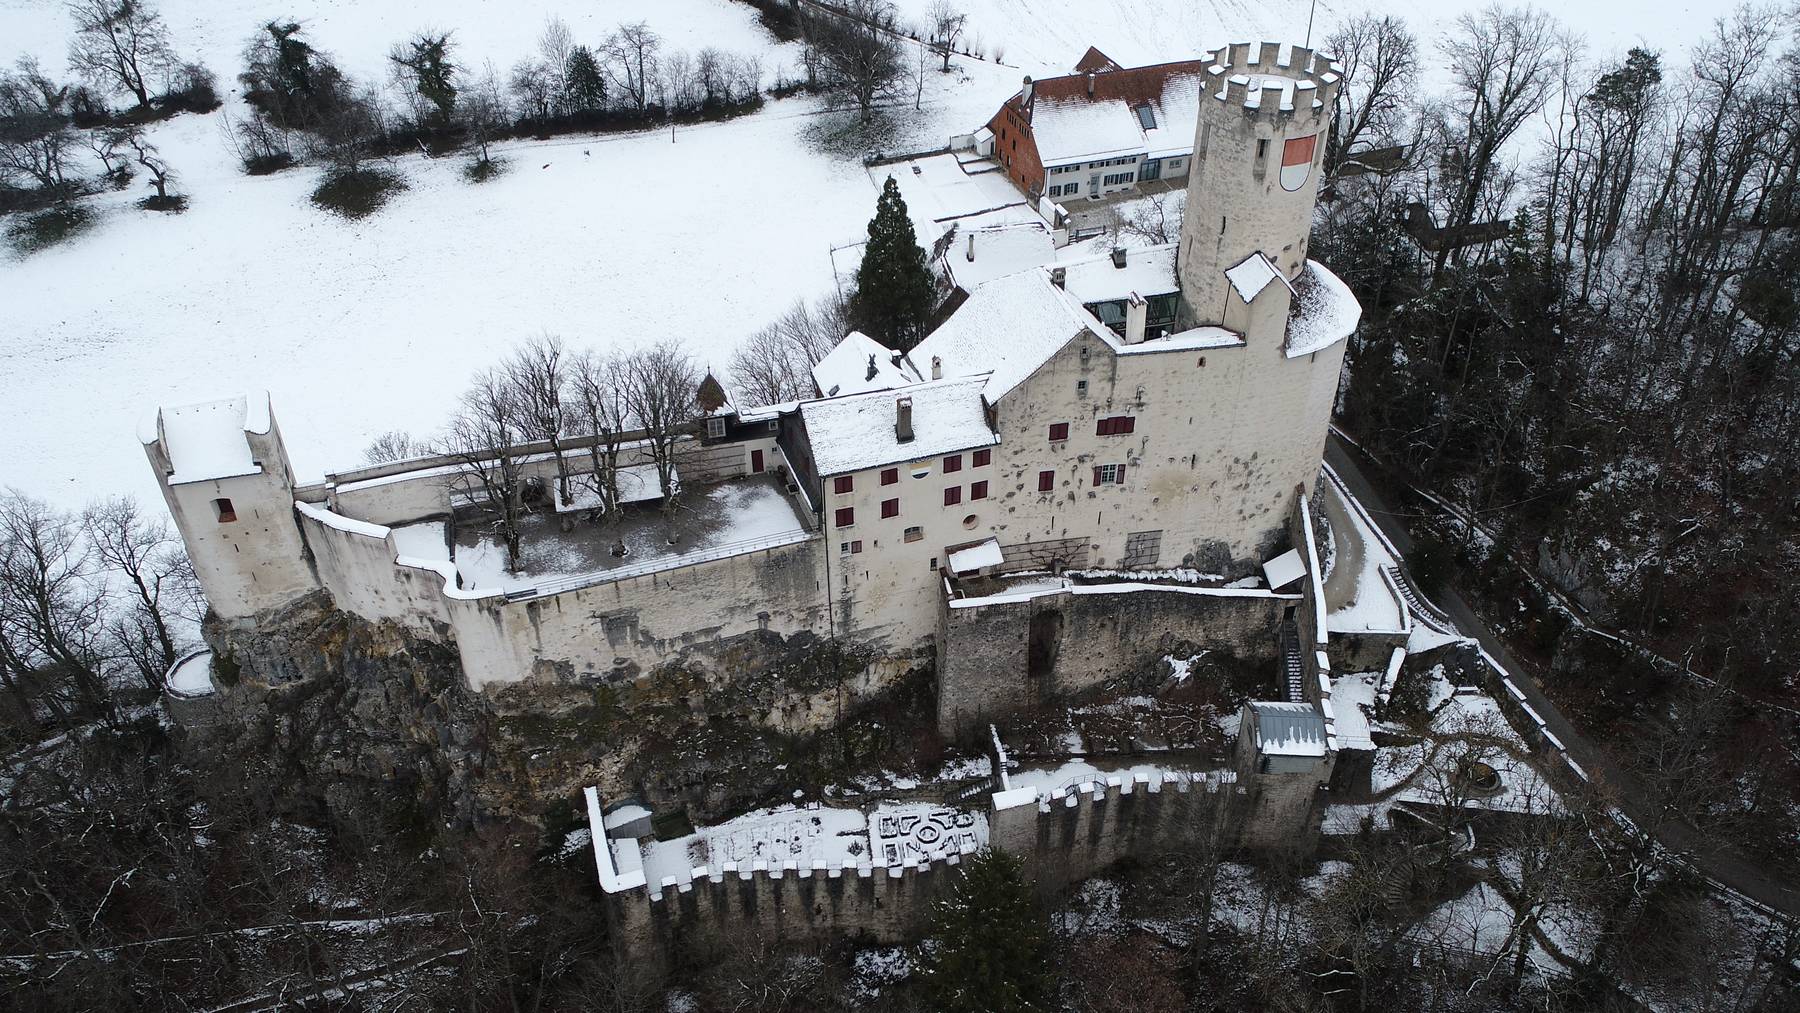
(1258, 150)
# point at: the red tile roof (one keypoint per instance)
(1095, 60)
(1134, 85)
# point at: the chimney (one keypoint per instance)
(1090, 84)
(937, 368)
(903, 420)
(1059, 276)
(1118, 255)
(971, 254)
(1025, 92)
(1137, 311)
(873, 372)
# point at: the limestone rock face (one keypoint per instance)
(336, 699)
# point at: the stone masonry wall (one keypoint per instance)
(1107, 631)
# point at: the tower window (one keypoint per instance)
(1262, 156)
(1059, 431)
(1046, 481)
(222, 507)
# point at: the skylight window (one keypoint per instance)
(1146, 117)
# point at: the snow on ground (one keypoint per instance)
(1046, 37)
(1352, 697)
(1374, 605)
(362, 327)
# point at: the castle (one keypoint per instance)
(1031, 502)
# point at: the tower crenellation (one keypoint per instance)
(1259, 148)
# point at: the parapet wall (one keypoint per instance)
(608, 630)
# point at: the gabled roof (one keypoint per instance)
(1253, 274)
(1069, 123)
(847, 367)
(857, 432)
(1096, 61)
(1007, 328)
(1289, 729)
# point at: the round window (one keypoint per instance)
(970, 521)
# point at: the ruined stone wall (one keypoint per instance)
(621, 629)
(1088, 635)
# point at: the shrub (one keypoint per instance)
(47, 228)
(264, 165)
(173, 202)
(483, 169)
(357, 193)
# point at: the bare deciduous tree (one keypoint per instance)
(484, 436)
(599, 385)
(159, 584)
(120, 45)
(393, 445)
(769, 369)
(53, 611)
(663, 383)
(632, 61)
(1503, 63)
(35, 135)
(538, 372)
(485, 111)
(555, 43)
(1381, 61)
(861, 61)
(945, 22)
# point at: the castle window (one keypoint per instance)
(1046, 481)
(715, 428)
(222, 507)
(890, 475)
(953, 495)
(915, 535)
(849, 548)
(1081, 388)
(890, 508)
(952, 463)
(845, 516)
(982, 457)
(1059, 431)
(1262, 156)
(843, 484)
(1109, 474)
(1117, 425)
(978, 490)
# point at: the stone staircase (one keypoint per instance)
(1293, 670)
(1421, 607)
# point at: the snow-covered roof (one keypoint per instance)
(1289, 729)
(1327, 312)
(1253, 274)
(1008, 328)
(1082, 130)
(857, 432)
(1284, 569)
(859, 363)
(1070, 123)
(1147, 271)
(982, 554)
(637, 483)
(979, 255)
(206, 441)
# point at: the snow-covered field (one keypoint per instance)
(358, 328)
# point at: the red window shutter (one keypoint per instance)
(1128, 424)
(890, 475)
(953, 495)
(1059, 431)
(890, 508)
(846, 516)
(1046, 481)
(843, 484)
(982, 457)
(1096, 474)
(978, 490)
(952, 463)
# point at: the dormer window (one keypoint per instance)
(1146, 117)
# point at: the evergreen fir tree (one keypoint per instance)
(992, 952)
(893, 296)
(584, 88)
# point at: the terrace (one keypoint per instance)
(563, 551)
